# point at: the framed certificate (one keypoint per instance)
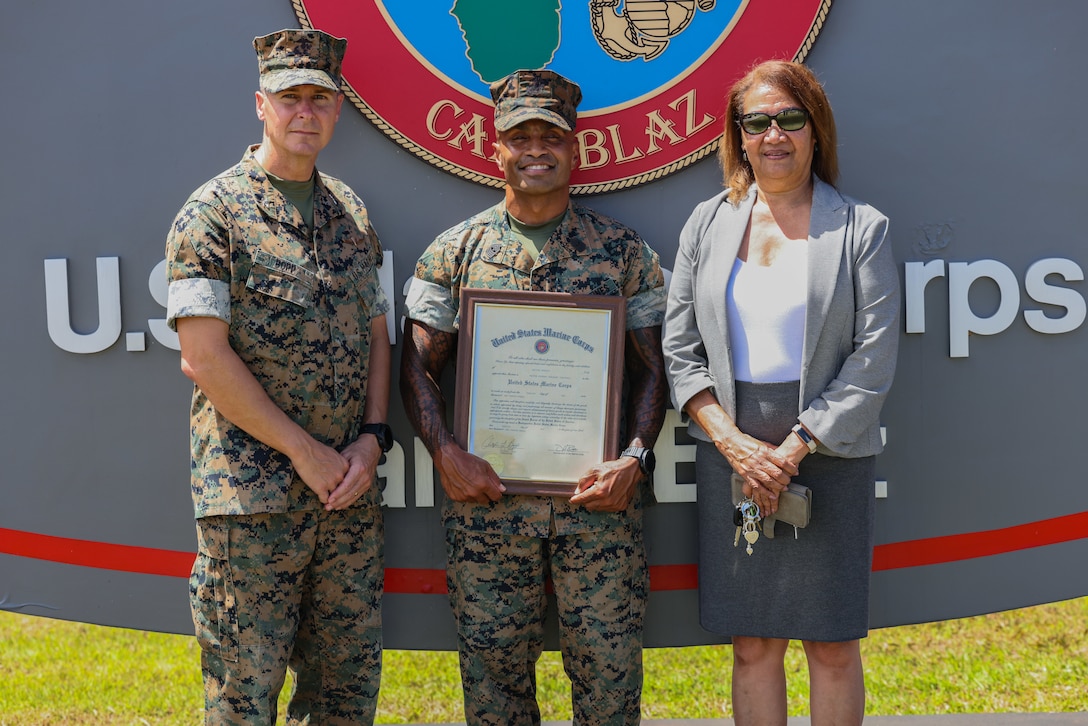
(539, 384)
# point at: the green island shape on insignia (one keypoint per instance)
(518, 34)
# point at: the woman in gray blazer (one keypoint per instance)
(780, 339)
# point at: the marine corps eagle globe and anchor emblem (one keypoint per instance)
(641, 28)
(653, 72)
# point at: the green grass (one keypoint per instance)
(1036, 659)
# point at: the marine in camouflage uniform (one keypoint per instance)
(281, 320)
(502, 549)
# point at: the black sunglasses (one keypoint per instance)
(790, 119)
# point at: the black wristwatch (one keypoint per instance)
(381, 432)
(646, 459)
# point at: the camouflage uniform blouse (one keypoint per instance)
(299, 311)
(589, 253)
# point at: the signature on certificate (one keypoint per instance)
(500, 444)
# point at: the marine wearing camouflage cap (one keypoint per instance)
(289, 58)
(502, 548)
(526, 95)
(497, 552)
(273, 277)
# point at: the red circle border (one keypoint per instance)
(623, 154)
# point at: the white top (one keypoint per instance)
(766, 307)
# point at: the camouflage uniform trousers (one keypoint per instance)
(300, 590)
(497, 590)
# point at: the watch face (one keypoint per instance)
(648, 461)
(383, 433)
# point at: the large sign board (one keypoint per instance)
(651, 72)
(981, 503)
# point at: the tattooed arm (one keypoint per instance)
(464, 477)
(649, 391)
(611, 485)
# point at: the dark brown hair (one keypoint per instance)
(802, 84)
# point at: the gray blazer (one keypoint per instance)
(851, 327)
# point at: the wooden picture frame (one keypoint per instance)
(539, 384)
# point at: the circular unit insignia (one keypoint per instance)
(542, 346)
(653, 73)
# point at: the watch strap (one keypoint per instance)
(806, 437)
(382, 432)
(645, 457)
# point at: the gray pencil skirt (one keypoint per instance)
(814, 587)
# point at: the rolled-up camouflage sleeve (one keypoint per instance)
(197, 298)
(646, 309)
(431, 298)
(645, 290)
(432, 305)
(197, 272)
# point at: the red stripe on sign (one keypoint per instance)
(407, 581)
(972, 545)
(410, 581)
(88, 553)
(674, 577)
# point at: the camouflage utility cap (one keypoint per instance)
(289, 58)
(525, 95)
